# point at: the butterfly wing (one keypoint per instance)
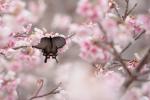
(58, 41)
(43, 43)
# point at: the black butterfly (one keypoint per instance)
(50, 46)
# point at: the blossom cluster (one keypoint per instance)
(16, 19)
(103, 34)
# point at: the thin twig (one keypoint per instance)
(131, 10)
(5, 57)
(53, 91)
(118, 57)
(136, 38)
(143, 61)
(1, 53)
(70, 36)
(41, 83)
(115, 53)
(117, 12)
(19, 47)
(101, 28)
(126, 10)
(143, 80)
(18, 35)
(137, 70)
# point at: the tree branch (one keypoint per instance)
(126, 12)
(117, 12)
(53, 91)
(101, 28)
(137, 70)
(136, 38)
(41, 83)
(126, 9)
(121, 61)
(131, 10)
(19, 47)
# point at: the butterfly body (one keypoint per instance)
(50, 46)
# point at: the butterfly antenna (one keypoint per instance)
(70, 36)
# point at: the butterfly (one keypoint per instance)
(50, 46)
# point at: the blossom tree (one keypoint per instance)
(101, 32)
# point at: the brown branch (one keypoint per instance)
(137, 70)
(118, 57)
(101, 28)
(19, 47)
(18, 35)
(126, 10)
(117, 12)
(143, 61)
(131, 10)
(136, 38)
(1, 53)
(5, 57)
(41, 83)
(123, 50)
(115, 53)
(142, 80)
(70, 36)
(53, 91)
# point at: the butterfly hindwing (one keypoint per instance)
(58, 41)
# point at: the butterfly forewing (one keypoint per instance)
(45, 42)
(58, 41)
